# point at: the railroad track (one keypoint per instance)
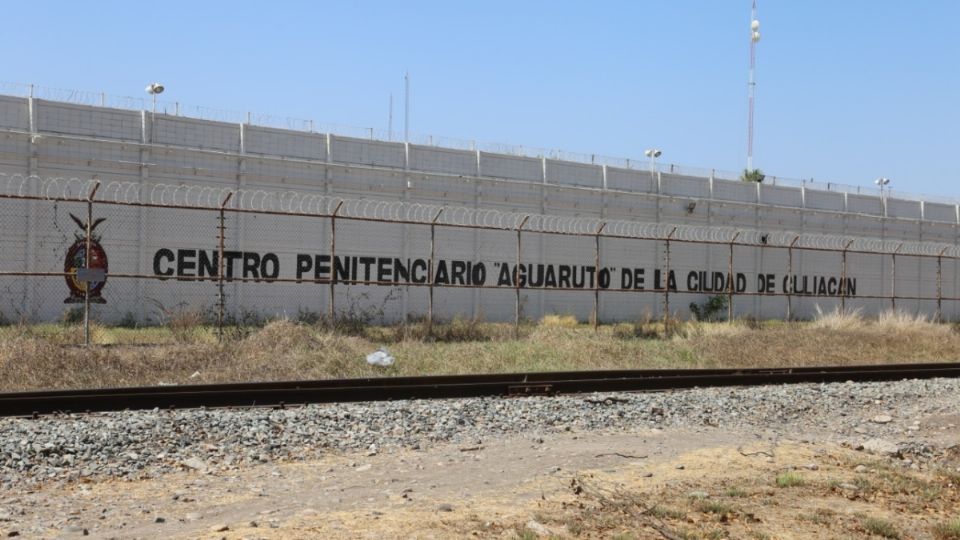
(293, 393)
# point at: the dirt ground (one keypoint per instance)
(705, 483)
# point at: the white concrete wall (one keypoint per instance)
(115, 145)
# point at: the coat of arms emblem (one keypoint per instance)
(76, 262)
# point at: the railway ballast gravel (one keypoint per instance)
(136, 444)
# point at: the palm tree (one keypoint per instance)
(756, 175)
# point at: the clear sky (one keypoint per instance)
(846, 91)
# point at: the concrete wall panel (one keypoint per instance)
(179, 131)
(443, 160)
(14, 113)
(71, 119)
(366, 152)
(824, 200)
(735, 191)
(940, 212)
(574, 174)
(280, 142)
(511, 167)
(630, 180)
(864, 204)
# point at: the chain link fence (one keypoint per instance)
(122, 251)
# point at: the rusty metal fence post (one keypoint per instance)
(516, 281)
(666, 284)
(86, 264)
(596, 285)
(331, 305)
(843, 279)
(893, 278)
(730, 278)
(221, 241)
(940, 285)
(433, 238)
(791, 281)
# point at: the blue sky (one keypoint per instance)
(847, 91)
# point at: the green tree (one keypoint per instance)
(756, 175)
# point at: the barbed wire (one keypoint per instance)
(321, 205)
(178, 109)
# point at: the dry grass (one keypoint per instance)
(608, 504)
(51, 355)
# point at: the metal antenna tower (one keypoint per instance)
(406, 107)
(752, 83)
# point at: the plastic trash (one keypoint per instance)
(380, 357)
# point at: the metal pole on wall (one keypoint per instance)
(893, 279)
(331, 307)
(516, 281)
(666, 284)
(790, 280)
(221, 240)
(730, 278)
(86, 264)
(596, 285)
(843, 279)
(433, 227)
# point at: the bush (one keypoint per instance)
(947, 531)
(711, 309)
(71, 316)
(789, 479)
(559, 321)
(460, 329)
(880, 527)
(308, 316)
(129, 320)
(644, 328)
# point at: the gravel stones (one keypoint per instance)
(140, 444)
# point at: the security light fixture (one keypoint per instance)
(653, 152)
(154, 89)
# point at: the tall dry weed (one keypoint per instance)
(838, 319)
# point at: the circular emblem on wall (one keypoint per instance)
(79, 275)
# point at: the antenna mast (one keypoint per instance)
(406, 107)
(752, 83)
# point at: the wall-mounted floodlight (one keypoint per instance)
(881, 183)
(154, 89)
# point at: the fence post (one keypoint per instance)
(221, 240)
(666, 285)
(433, 227)
(516, 281)
(940, 285)
(86, 264)
(790, 281)
(730, 279)
(893, 279)
(596, 284)
(331, 312)
(843, 279)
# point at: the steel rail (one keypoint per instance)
(284, 393)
